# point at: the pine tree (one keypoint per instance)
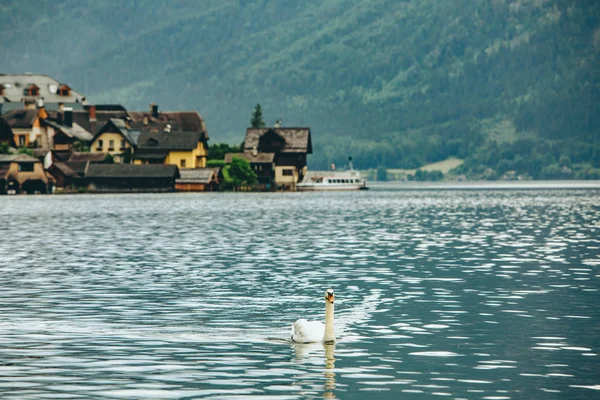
(257, 119)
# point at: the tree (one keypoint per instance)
(217, 151)
(109, 159)
(238, 173)
(257, 118)
(25, 150)
(4, 148)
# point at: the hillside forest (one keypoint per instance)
(512, 87)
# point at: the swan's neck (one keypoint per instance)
(329, 329)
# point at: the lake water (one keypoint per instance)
(476, 294)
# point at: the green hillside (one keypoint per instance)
(505, 85)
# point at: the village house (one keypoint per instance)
(289, 148)
(71, 171)
(17, 87)
(93, 117)
(124, 178)
(177, 138)
(21, 173)
(115, 138)
(33, 127)
(27, 127)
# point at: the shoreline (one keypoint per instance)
(486, 185)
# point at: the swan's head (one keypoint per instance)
(329, 295)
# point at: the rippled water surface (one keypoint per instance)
(478, 294)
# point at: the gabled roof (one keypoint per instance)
(19, 158)
(14, 84)
(118, 126)
(132, 171)
(85, 157)
(166, 141)
(197, 175)
(75, 131)
(64, 169)
(182, 121)
(297, 140)
(82, 118)
(259, 158)
(20, 118)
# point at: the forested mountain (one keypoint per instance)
(505, 84)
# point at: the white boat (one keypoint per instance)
(332, 180)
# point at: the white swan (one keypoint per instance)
(304, 331)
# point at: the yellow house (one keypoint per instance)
(184, 149)
(170, 137)
(116, 139)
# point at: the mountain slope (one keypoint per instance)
(395, 83)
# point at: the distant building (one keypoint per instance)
(70, 172)
(177, 138)
(19, 87)
(289, 146)
(20, 173)
(117, 139)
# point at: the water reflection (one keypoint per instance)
(329, 392)
(319, 354)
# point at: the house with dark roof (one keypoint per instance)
(70, 172)
(131, 178)
(117, 139)
(21, 173)
(178, 138)
(289, 146)
(198, 180)
(27, 127)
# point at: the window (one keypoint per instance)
(122, 144)
(182, 163)
(100, 144)
(111, 145)
(26, 167)
(21, 141)
(287, 172)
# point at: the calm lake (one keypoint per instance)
(475, 294)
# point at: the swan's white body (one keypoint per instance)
(304, 331)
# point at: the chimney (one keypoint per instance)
(145, 120)
(92, 113)
(40, 102)
(254, 151)
(168, 128)
(61, 107)
(154, 110)
(68, 116)
(278, 123)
